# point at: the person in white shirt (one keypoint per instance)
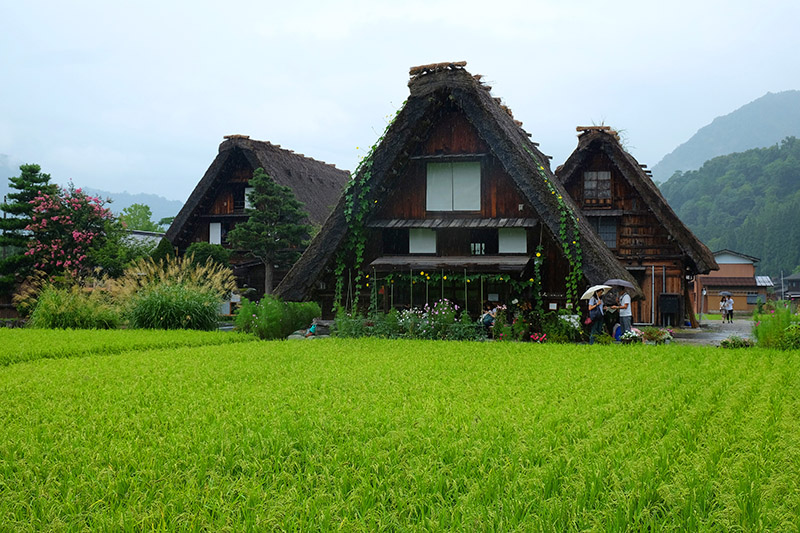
(625, 314)
(729, 309)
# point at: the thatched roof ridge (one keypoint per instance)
(430, 89)
(316, 184)
(607, 140)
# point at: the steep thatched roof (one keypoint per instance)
(603, 139)
(432, 87)
(317, 185)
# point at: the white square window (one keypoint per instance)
(453, 187)
(215, 233)
(247, 191)
(512, 241)
(421, 241)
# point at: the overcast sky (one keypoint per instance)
(137, 96)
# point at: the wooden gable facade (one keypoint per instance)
(623, 205)
(458, 201)
(219, 200)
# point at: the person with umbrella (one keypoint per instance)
(595, 296)
(625, 313)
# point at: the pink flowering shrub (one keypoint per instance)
(66, 228)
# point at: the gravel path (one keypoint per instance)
(711, 332)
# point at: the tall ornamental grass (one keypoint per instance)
(778, 327)
(173, 293)
(73, 307)
(272, 318)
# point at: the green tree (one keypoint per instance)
(203, 251)
(17, 212)
(138, 217)
(276, 230)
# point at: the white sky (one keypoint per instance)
(137, 96)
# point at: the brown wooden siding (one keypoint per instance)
(454, 135)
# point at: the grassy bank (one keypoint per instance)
(403, 435)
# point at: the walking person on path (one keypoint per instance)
(723, 309)
(729, 309)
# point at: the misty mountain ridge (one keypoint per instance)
(161, 207)
(761, 123)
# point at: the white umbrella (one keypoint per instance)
(591, 290)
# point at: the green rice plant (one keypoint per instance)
(19, 345)
(272, 318)
(73, 307)
(377, 435)
(770, 328)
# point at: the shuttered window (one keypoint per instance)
(421, 241)
(453, 187)
(512, 241)
(215, 233)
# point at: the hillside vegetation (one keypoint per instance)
(762, 122)
(748, 202)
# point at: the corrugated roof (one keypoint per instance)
(764, 281)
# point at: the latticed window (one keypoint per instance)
(606, 228)
(597, 187)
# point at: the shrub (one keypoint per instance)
(272, 318)
(656, 335)
(561, 328)
(73, 307)
(438, 321)
(736, 342)
(174, 306)
(173, 293)
(772, 327)
(791, 337)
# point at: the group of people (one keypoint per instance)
(597, 312)
(726, 309)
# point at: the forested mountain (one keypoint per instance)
(748, 202)
(762, 122)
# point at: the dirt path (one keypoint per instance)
(712, 332)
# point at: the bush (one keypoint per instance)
(736, 342)
(438, 321)
(174, 306)
(175, 293)
(561, 328)
(272, 318)
(774, 328)
(73, 307)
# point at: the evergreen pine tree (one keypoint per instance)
(17, 211)
(277, 229)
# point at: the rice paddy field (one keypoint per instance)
(373, 435)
